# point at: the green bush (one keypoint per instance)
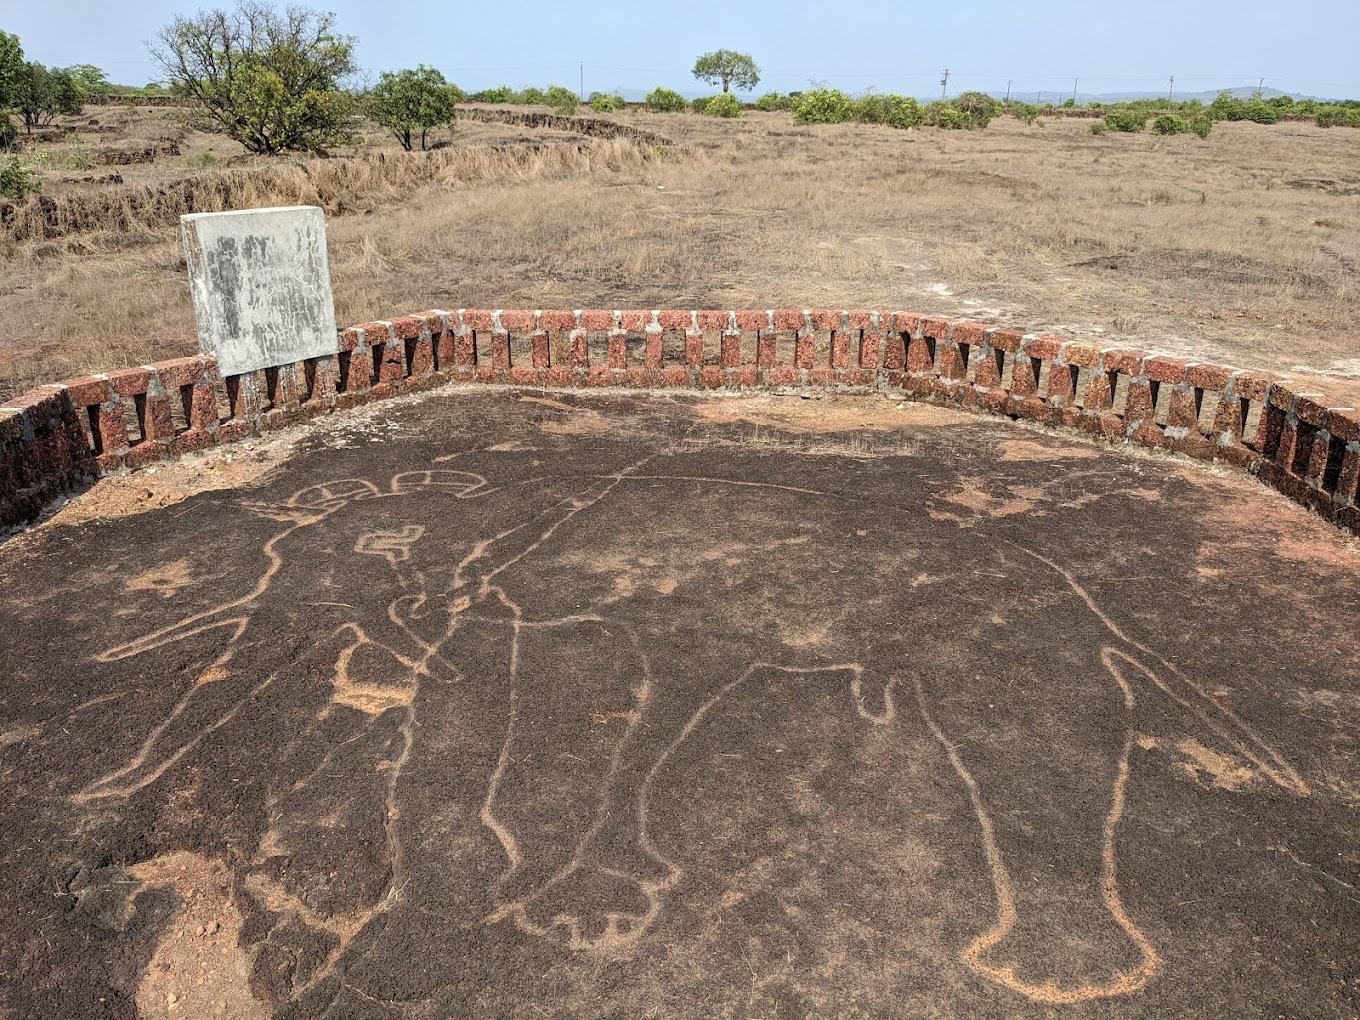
(1201, 125)
(662, 100)
(902, 112)
(1338, 116)
(724, 104)
(1127, 121)
(771, 102)
(700, 105)
(9, 136)
(943, 115)
(1168, 124)
(978, 107)
(867, 109)
(16, 179)
(1028, 112)
(1099, 127)
(561, 100)
(500, 94)
(891, 109)
(823, 106)
(603, 102)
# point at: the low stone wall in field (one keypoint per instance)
(55, 437)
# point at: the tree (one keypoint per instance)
(412, 102)
(728, 68)
(88, 78)
(42, 93)
(270, 79)
(11, 68)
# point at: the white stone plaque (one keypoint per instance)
(261, 286)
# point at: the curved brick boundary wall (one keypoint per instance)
(54, 437)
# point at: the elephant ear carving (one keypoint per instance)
(329, 495)
(460, 483)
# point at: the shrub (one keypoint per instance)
(16, 179)
(499, 94)
(1168, 124)
(1338, 116)
(902, 112)
(948, 117)
(1201, 125)
(978, 107)
(1127, 121)
(823, 106)
(773, 101)
(561, 100)
(867, 109)
(1099, 127)
(1028, 112)
(724, 104)
(9, 137)
(603, 102)
(665, 101)
(700, 105)
(530, 96)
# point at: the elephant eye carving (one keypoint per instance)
(394, 546)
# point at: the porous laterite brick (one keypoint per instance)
(557, 321)
(597, 320)
(1124, 361)
(676, 321)
(1006, 340)
(825, 319)
(906, 322)
(130, 381)
(480, 319)
(1208, 377)
(1164, 370)
(751, 321)
(713, 322)
(1043, 348)
(88, 390)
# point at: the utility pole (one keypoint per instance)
(583, 83)
(1008, 92)
(944, 84)
(1074, 91)
(1171, 91)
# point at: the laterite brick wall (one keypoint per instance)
(54, 437)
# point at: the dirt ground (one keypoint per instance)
(1242, 249)
(513, 704)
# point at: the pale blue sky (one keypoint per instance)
(1308, 46)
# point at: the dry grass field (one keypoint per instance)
(1243, 249)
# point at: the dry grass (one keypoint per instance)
(1205, 249)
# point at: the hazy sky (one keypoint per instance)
(1309, 46)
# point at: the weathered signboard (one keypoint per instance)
(261, 286)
